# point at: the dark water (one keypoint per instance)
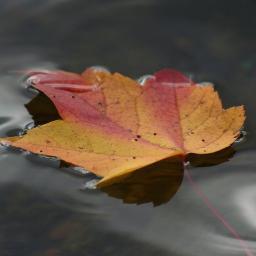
(43, 211)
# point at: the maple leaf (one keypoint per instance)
(111, 125)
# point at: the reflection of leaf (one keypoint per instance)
(42, 110)
(112, 126)
(155, 183)
(211, 159)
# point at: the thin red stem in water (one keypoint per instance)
(217, 214)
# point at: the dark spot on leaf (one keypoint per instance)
(138, 136)
(99, 103)
(135, 139)
(203, 140)
(73, 96)
(134, 157)
(154, 133)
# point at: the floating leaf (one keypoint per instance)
(112, 126)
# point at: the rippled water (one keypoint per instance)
(45, 210)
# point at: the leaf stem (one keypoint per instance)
(217, 214)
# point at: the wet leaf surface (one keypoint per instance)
(112, 126)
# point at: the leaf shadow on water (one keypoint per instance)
(159, 182)
(211, 159)
(42, 109)
(156, 183)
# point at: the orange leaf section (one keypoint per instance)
(111, 125)
(99, 149)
